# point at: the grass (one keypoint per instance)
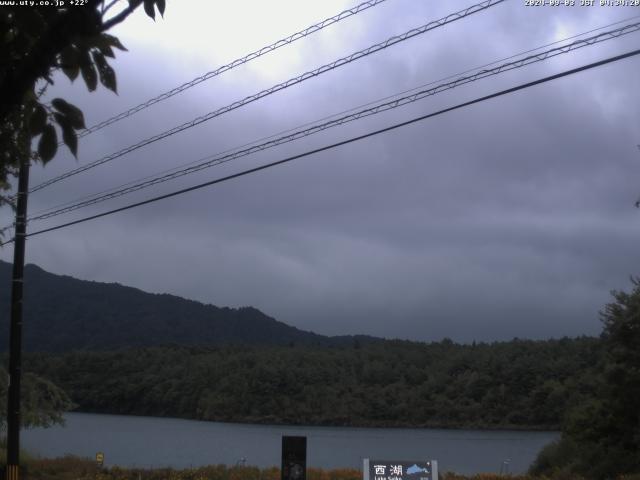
(24, 456)
(76, 468)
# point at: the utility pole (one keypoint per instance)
(15, 339)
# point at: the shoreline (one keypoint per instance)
(375, 426)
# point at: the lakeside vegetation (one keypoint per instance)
(43, 403)
(601, 436)
(518, 384)
(74, 468)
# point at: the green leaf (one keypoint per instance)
(107, 74)
(89, 75)
(48, 144)
(70, 139)
(149, 8)
(102, 43)
(107, 51)
(71, 72)
(38, 120)
(108, 78)
(70, 61)
(71, 112)
(161, 5)
(69, 136)
(114, 42)
(99, 59)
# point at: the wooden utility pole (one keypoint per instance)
(15, 339)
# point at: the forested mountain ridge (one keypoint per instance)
(517, 384)
(63, 313)
(148, 354)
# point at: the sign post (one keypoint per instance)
(399, 469)
(294, 458)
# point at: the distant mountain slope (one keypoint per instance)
(64, 313)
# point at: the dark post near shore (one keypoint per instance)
(294, 458)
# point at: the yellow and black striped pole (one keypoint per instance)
(13, 472)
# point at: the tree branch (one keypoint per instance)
(119, 18)
(108, 7)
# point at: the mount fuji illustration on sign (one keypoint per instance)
(415, 469)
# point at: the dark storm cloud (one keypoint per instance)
(510, 218)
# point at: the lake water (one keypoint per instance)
(161, 442)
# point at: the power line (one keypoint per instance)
(281, 86)
(353, 109)
(235, 63)
(341, 143)
(218, 159)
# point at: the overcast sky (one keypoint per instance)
(510, 218)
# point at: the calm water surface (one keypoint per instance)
(161, 442)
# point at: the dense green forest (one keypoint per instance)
(517, 384)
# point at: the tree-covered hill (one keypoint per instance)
(63, 313)
(132, 352)
(517, 384)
